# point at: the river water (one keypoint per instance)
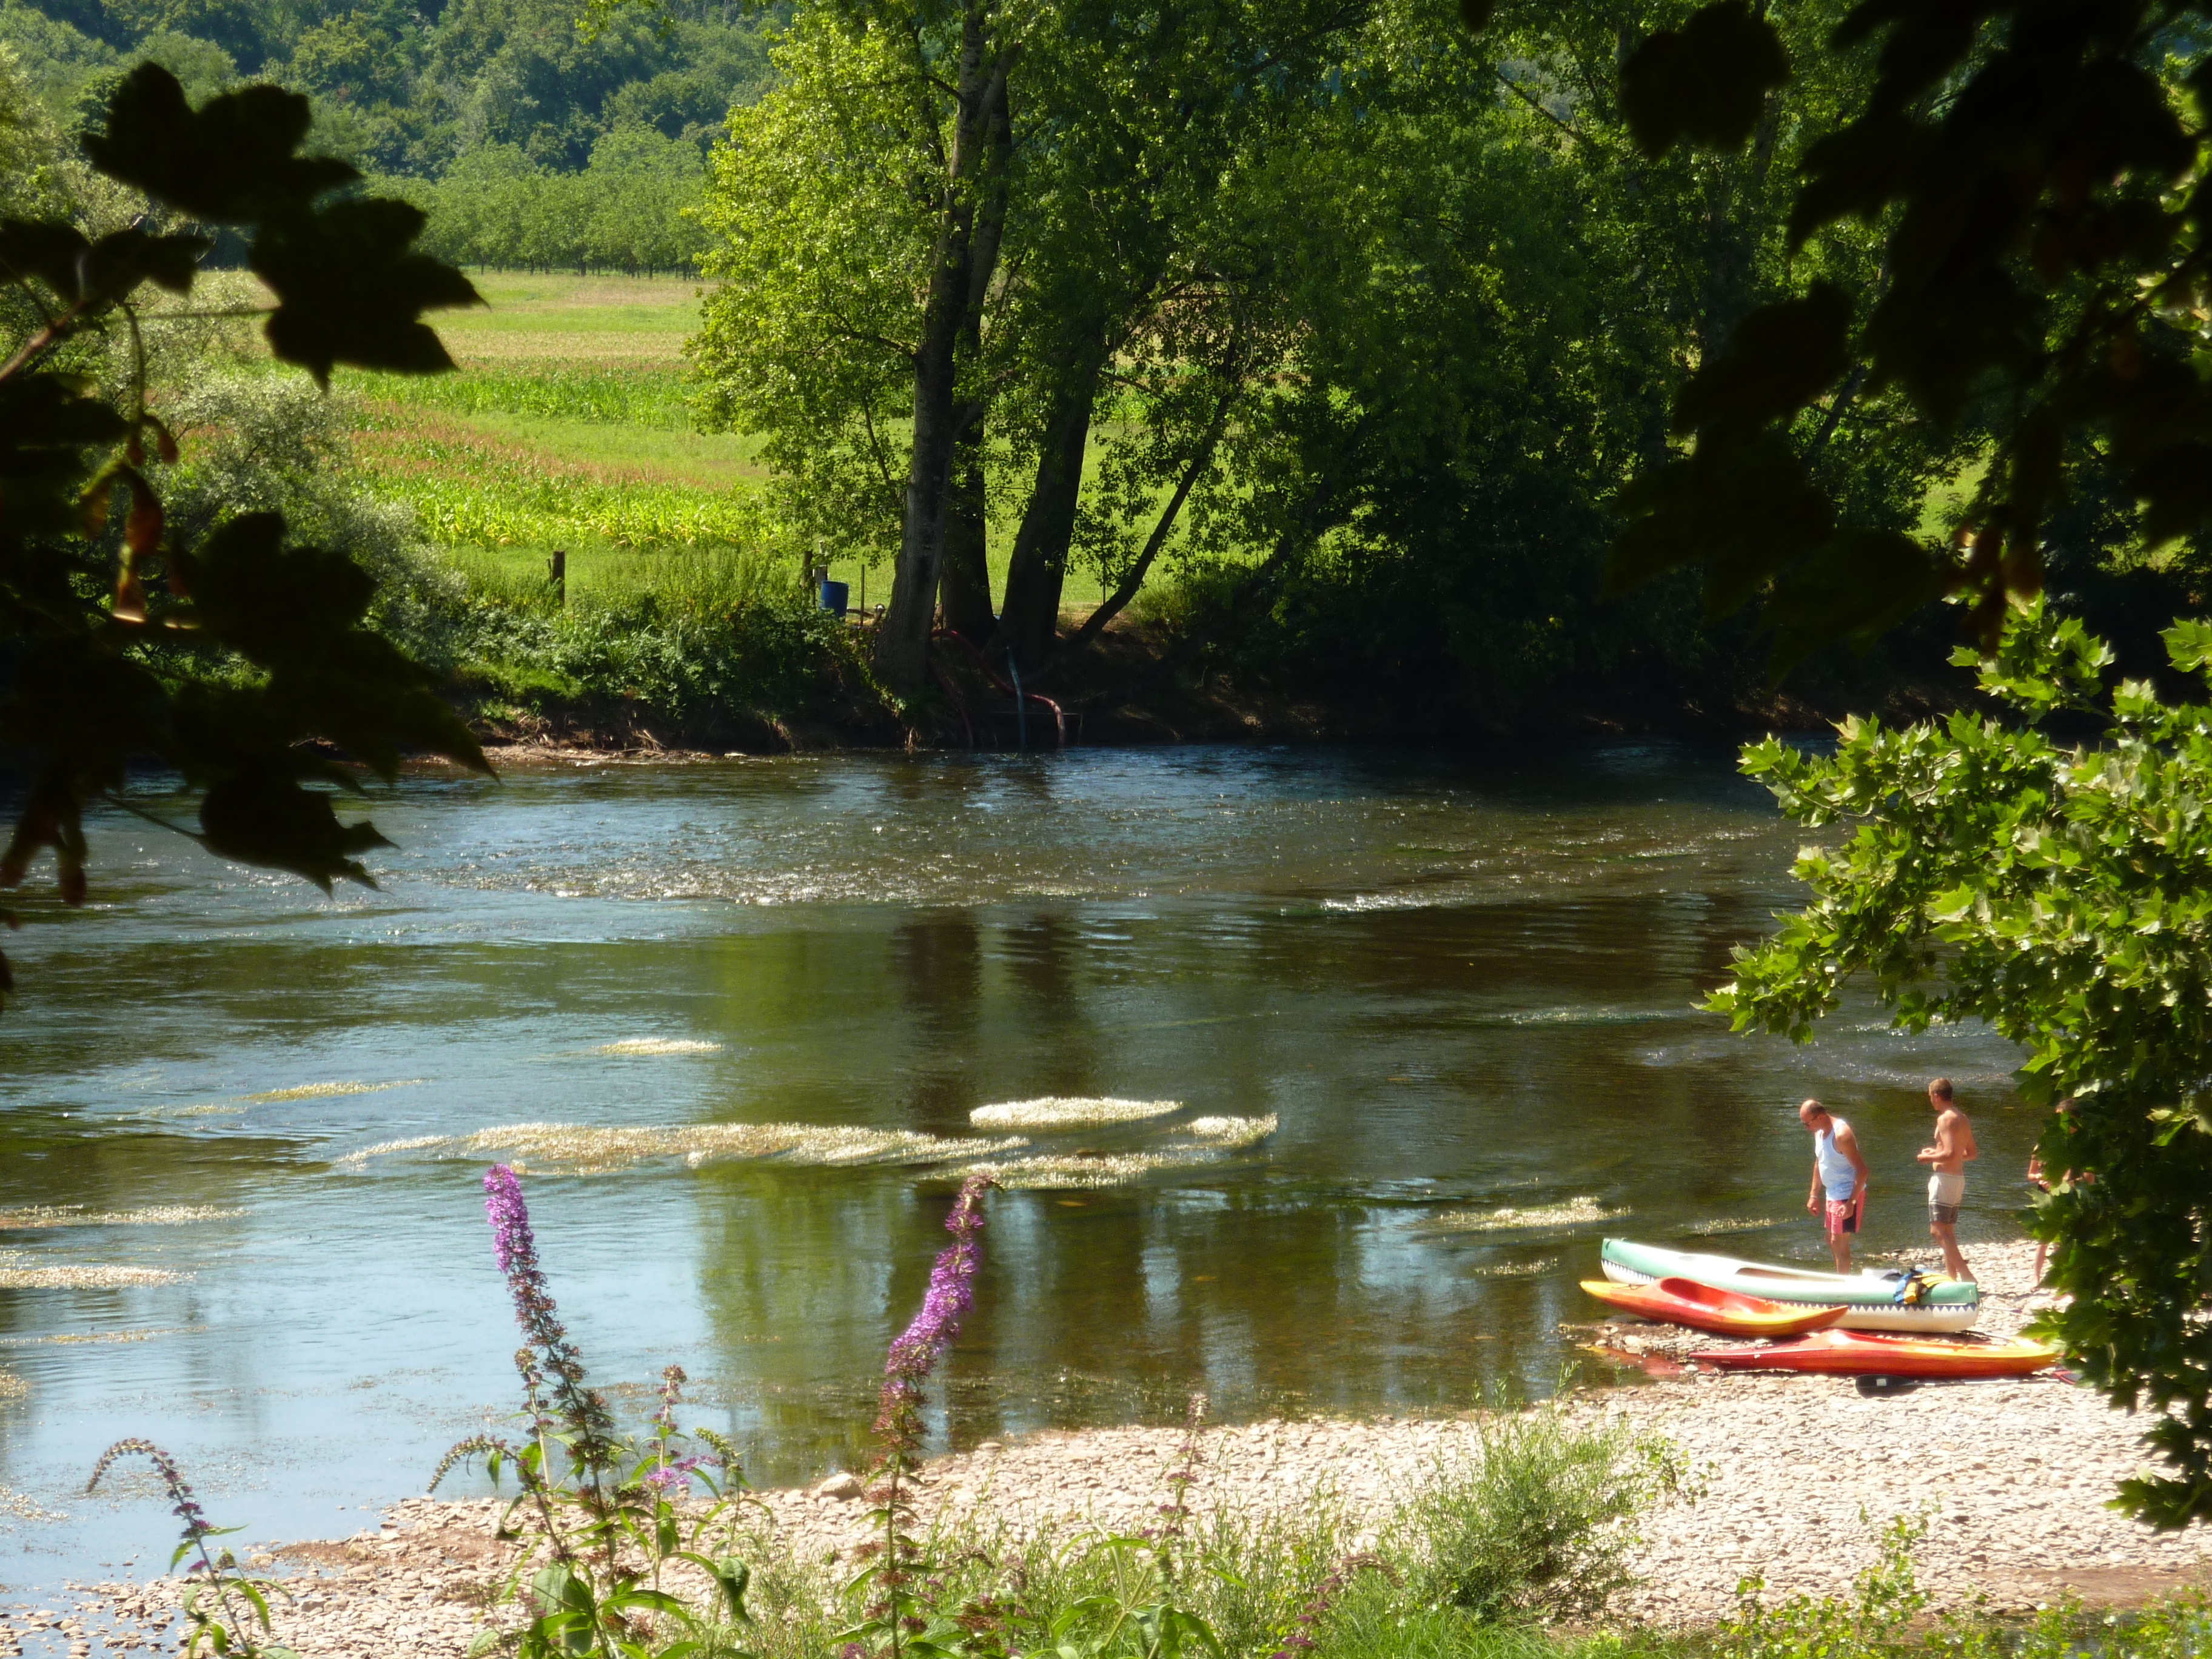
(1415, 1033)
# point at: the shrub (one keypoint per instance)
(1537, 1526)
(1883, 1620)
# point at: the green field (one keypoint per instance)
(568, 427)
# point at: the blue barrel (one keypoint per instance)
(834, 595)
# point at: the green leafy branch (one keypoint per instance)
(99, 669)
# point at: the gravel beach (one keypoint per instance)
(2012, 1477)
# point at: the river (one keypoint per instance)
(1412, 1034)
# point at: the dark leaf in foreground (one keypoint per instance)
(349, 290)
(231, 161)
(1704, 82)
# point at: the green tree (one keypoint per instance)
(1483, 339)
(637, 192)
(1986, 868)
(916, 279)
(239, 662)
(823, 233)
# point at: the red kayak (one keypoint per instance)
(1865, 1353)
(1702, 1307)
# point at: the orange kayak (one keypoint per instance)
(1867, 1354)
(1702, 1307)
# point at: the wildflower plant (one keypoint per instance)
(1095, 1595)
(222, 1606)
(612, 1516)
(898, 1618)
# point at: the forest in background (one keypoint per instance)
(1316, 334)
(532, 142)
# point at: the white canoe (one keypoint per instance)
(1869, 1298)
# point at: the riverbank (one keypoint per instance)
(1793, 1479)
(1142, 683)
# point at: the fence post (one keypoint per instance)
(557, 568)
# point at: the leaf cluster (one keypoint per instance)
(95, 662)
(2035, 170)
(1887, 1617)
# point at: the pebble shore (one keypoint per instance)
(1797, 1475)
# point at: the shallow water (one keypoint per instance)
(1426, 1026)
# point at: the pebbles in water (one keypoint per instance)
(582, 1149)
(1052, 1112)
(76, 1215)
(1080, 1170)
(1232, 1132)
(1210, 1140)
(1742, 1223)
(1575, 1212)
(330, 1091)
(24, 1507)
(82, 1277)
(1515, 1269)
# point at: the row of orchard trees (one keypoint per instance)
(632, 209)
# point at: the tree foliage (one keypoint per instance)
(408, 89)
(1388, 317)
(630, 209)
(2035, 171)
(239, 662)
(1985, 868)
(1080, 202)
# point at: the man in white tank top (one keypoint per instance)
(1840, 1179)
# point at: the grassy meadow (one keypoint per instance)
(566, 427)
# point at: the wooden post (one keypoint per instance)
(557, 568)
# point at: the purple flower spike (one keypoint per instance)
(188, 1509)
(914, 1353)
(549, 1351)
(673, 1480)
(510, 1239)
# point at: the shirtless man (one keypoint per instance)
(1947, 1179)
(1840, 1179)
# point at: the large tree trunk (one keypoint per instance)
(902, 642)
(1028, 625)
(966, 585)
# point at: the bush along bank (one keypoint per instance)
(648, 668)
(700, 635)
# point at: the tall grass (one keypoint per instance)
(1540, 1521)
(469, 493)
(648, 395)
(1886, 1618)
